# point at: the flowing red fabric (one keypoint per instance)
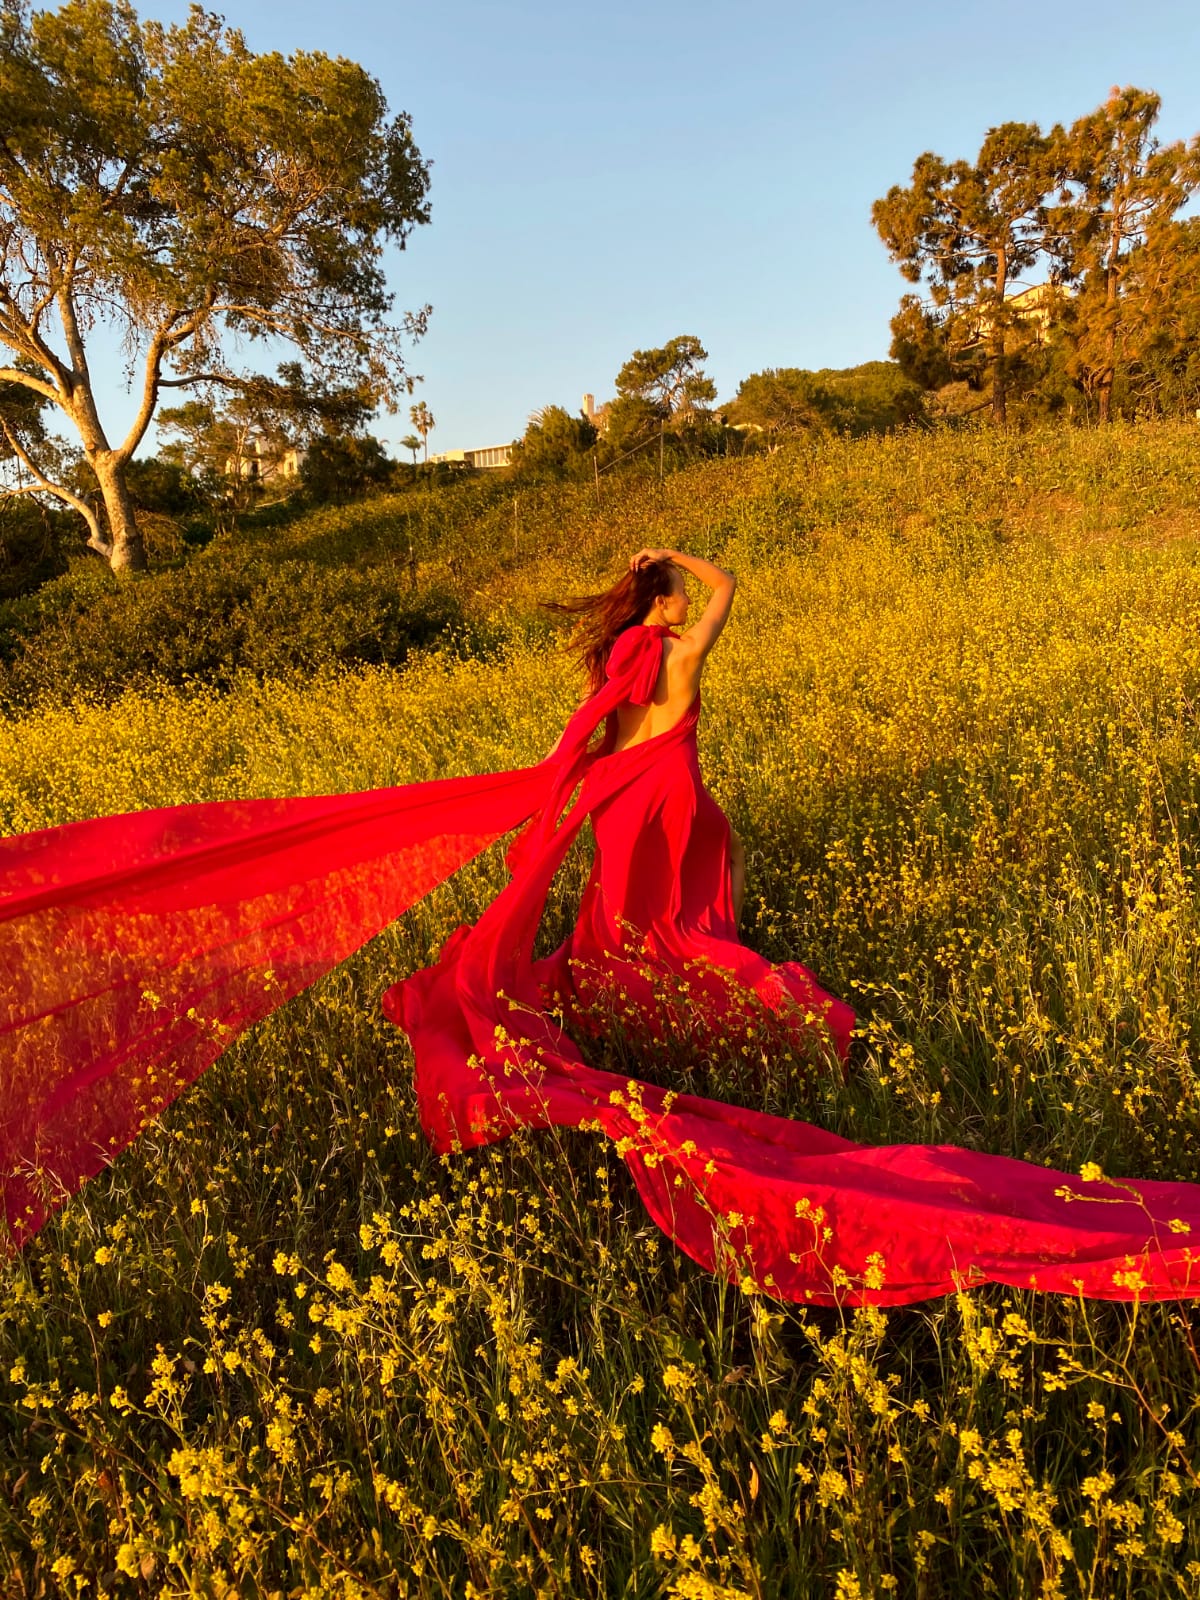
(135, 948)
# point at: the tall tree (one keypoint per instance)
(413, 443)
(968, 231)
(670, 379)
(424, 421)
(1161, 317)
(170, 182)
(1121, 189)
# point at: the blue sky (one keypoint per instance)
(608, 175)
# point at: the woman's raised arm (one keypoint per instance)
(705, 631)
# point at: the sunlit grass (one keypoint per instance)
(281, 1348)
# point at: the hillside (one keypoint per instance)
(370, 581)
(280, 1347)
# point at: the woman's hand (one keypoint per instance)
(643, 557)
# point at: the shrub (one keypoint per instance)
(209, 621)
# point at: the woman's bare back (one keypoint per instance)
(678, 682)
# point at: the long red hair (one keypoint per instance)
(601, 617)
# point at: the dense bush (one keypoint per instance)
(34, 545)
(208, 621)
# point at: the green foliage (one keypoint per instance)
(159, 485)
(424, 421)
(970, 230)
(1121, 193)
(1163, 315)
(554, 445)
(1092, 209)
(781, 400)
(211, 620)
(173, 183)
(670, 380)
(874, 397)
(22, 416)
(229, 444)
(209, 625)
(344, 467)
(34, 546)
(871, 398)
(629, 421)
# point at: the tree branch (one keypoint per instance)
(96, 539)
(21, 488)
(28, 381)
(23, 334)
(169, 335)
(82, 393)
(203, 377)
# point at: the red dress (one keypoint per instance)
(135, 947)
(659, 900)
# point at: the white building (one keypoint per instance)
(1034, 309)
(264, 459)
(492, 455)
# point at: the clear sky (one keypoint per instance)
(608, 175)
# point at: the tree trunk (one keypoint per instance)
(1104, 399)
(1000, 343)
(1112, 293)
(1104, 387)
(128, 553)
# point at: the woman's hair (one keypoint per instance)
(603, 616)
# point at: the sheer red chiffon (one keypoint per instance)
(135, 948)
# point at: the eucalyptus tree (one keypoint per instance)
(173, 185)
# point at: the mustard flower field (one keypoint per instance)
(280, 1349)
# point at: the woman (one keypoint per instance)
(656, 932)
(668, 876)
(134, 948)
(659, 573)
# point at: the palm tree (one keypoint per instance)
(424, 422)
(411, 442)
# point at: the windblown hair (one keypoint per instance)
(601, 617)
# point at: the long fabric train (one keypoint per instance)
(134, 948)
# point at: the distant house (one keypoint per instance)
(492, 455)
(1034, 309)
(263, 460)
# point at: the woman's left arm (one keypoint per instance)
(706, 629)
